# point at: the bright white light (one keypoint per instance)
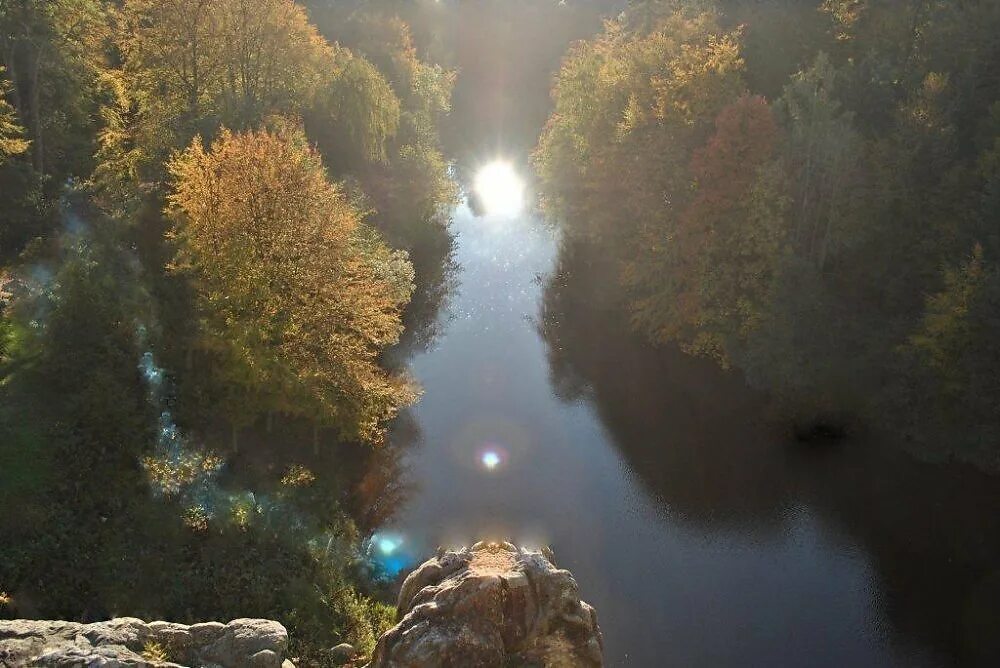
(387, 546)
(491, 459)
(500, 189)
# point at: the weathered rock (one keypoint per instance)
(265, 658)
(121, 642)
(342, 653)
(491, 605)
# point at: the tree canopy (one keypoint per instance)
(294, 290)
(784, 198)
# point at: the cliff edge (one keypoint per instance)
(493, 604)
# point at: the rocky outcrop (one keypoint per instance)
(491, 605)
(126, 641)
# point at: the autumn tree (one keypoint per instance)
(708, 284)
(190, 66)
(388, 105)
(797, 239)
(12, 140)
(628, 110)
(297, 295)
(632, 109)
(954, 364)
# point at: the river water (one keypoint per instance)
(702, 535)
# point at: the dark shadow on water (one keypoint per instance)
(699, 442)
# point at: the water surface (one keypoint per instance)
(699, 532)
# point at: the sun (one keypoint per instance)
(500, 189)
(490, 459)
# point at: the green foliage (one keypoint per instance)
(370, 619)
(363, 108)
(954, 351)
(74, 411)
(104, 93)
(50, 52)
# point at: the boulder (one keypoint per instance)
(124, 642)
(493, 604)
(342, 654)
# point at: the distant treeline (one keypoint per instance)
(809, 191)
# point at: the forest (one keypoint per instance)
(806, 191)
(226, 232)
(208, 214)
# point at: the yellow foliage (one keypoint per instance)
(190, 65)
(298, 476)
(298, 294)
(171, 475)
(154, 652)
(11, 132)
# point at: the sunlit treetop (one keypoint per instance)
(296, 292)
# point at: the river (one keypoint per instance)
(701, 534)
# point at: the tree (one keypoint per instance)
(361, 108)
(822, 157)
(954, 364)
(297, 295)
(629, 109)
(12, 140)
(190, 66)
(708, 286)
(52, 50)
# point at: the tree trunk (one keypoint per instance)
(835, 187)
(807, 171)
(316, 439)
(36, 113)
(15, 89)
(270, 421)
(235, 437)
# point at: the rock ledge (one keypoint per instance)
(127, 641)
(491, 605)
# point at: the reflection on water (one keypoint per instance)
(500, 189)
(698, 532)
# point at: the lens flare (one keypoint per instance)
(390, 554)
(491, 459)
(492, 456)
(500, 189)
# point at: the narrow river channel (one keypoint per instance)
(700, 535)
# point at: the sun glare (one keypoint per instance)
(500, 189)
(490, 459)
